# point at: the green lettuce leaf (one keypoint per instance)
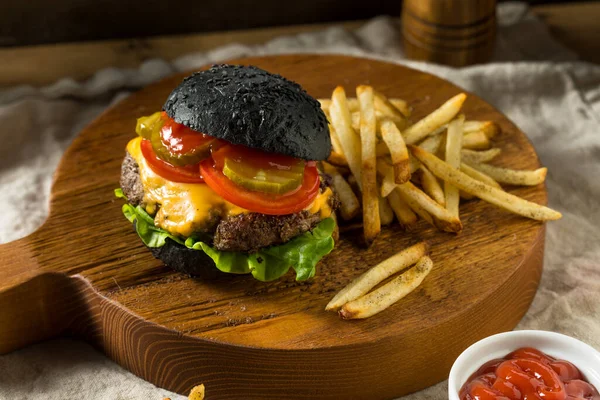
(302, 253)
(151, 235)
(119, 194)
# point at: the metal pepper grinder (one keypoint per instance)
(451, 32)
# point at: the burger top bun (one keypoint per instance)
(252, 107)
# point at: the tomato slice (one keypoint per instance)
(187, 174)
(263, 203)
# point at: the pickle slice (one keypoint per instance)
(272, 180)
(194, 156)
(145, 125)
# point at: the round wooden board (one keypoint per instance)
(85, 273)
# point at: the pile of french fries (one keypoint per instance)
(355, 301)
(385, 165)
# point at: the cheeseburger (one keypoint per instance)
(225, 177)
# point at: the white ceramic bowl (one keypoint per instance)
(583, 356)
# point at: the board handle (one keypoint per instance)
(34, 304)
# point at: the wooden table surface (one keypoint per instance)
(575, 25)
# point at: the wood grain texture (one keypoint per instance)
(451, 32)
(85, 273)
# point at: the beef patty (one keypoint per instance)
(241, 233)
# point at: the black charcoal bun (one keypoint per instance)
(252, 107)
(188, 261)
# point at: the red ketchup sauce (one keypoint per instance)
(528, 374)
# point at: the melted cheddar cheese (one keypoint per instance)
(184, 208)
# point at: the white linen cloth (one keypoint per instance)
(533, 80)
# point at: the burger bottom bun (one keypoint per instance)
(188, 261)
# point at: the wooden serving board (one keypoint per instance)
(86, 274)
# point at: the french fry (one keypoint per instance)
(382, 149)
(442, 218)
(368, 280)
(353, 183)
(431, 186)
(393, 138)
(395, 120)
(352, 103)
(435, 120)
(466, 196)
(335, 140)
(453, 145)
(388, 182)
(370, 199)
(480, 176)
(432, 143)
(473, 156)
(485, 192)
(399, 104)
(342, 123)
(344, 170)
(327, 115)
(476, 141)
(422, 204)
(349, 206)
(406, 216)
(379, 117)
(489, 128)
(325, 104)
(337, 159)
(413, 164)
(356, 121)
(387, 109)
(416, 207)
(383, 297)
(511, 176)
(402, 106)
(386, 214)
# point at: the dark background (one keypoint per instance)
(26, 22)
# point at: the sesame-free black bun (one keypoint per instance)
(188, 261)
(249, 106)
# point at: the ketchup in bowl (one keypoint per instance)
(528, 374)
